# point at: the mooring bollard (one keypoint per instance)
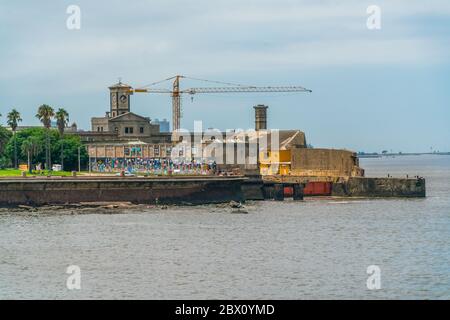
(24, 174)
(278, 192)
(297, 191)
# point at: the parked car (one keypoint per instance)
(126, 174)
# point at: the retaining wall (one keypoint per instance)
(38, 191)
(380, 187)
(324, 162)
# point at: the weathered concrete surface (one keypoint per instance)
(252, 188)
(199, 190)
(380, 187)
(324, 163)
(357, 186)
(298, 191)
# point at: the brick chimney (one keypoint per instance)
(260, 117)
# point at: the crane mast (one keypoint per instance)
(176, 104)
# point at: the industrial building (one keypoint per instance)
(122, 136)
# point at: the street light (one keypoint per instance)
(79, 159)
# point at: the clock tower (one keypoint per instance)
(119, 99)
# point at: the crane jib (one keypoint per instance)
(229, 88)
(244, 89)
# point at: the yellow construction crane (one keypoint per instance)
(176, 93)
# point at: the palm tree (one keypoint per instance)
(62, 119)
(31, 146)
(45, 114)
(13, 120)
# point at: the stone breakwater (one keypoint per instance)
(187, 191)
(380, 187)
(365, 187)
(190, 190)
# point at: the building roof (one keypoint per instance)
(286, 138)
(128, 114)
(120, 85)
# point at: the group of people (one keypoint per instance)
(152, 166)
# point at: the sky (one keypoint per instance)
(372, 89)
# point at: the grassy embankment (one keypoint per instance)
(5, 173)
(18, 173)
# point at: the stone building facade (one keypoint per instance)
(120, 121)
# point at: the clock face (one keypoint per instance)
(123, 98)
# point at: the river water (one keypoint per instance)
(316, 249)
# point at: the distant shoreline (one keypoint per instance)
(380, 155)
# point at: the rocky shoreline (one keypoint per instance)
(109, 208)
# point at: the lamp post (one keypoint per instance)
(79, 159)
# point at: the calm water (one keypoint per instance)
(312, 249)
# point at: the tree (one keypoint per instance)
(31, 146)
(5, 137)
(71, 145)
(13, 120)
(21, 136)
(45, 114)
(62, 119)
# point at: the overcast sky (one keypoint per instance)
(372, 89)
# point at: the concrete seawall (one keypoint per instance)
(199, 190)
(380, 187)
(366, 187)
(192, 190)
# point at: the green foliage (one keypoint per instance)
(71, 143)
(38, 136)
(5, 162)
(62, 119)
(13, 119)
(31, 145)
(45, 114)
(5, 136)
(18, 173)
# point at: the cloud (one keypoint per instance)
(252, 41)
(153, 39)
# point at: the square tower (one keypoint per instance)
(119, 99)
